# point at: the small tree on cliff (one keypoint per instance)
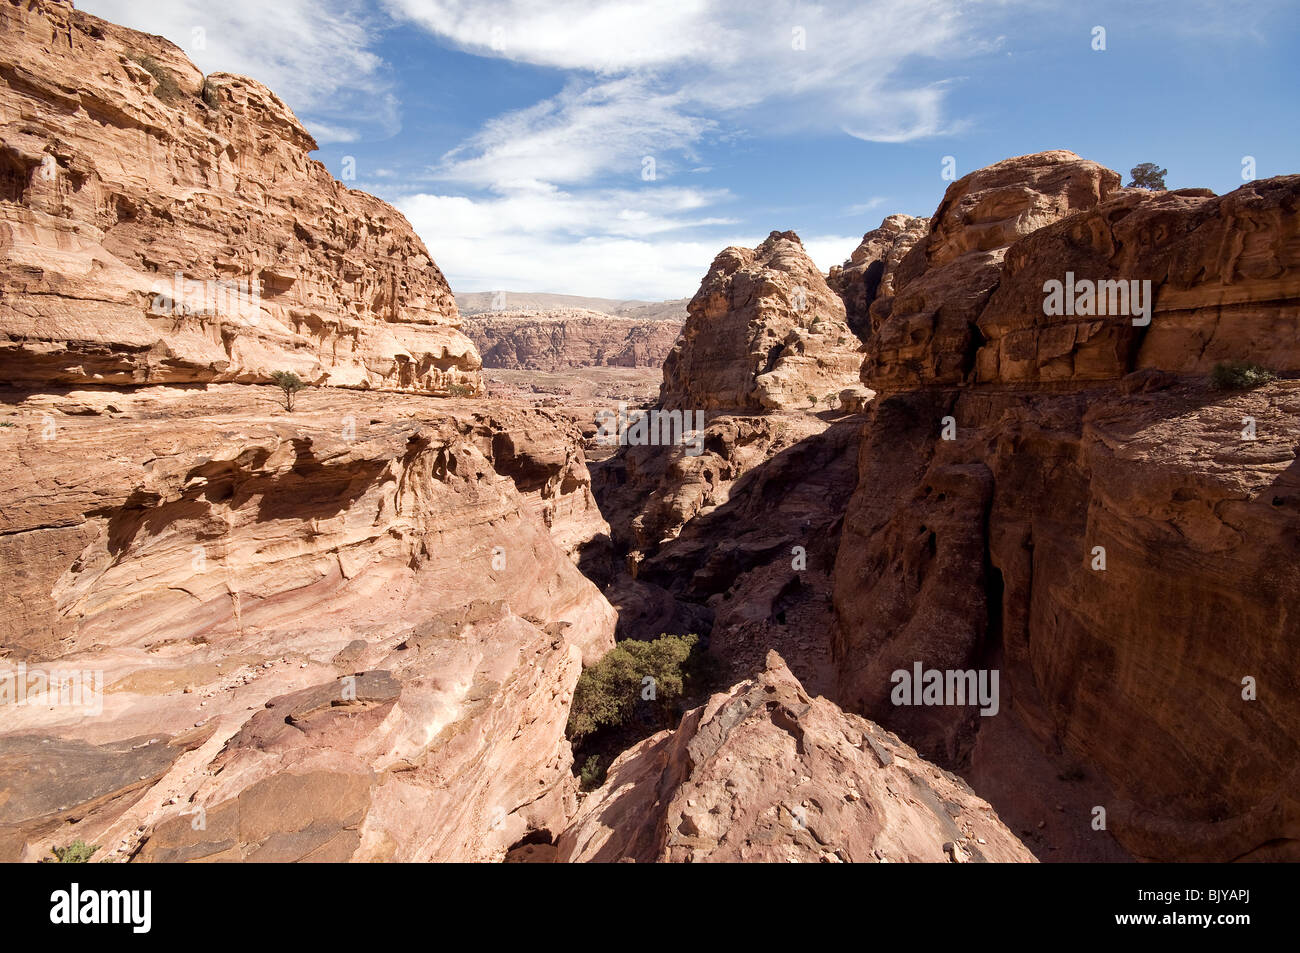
(290, 383)
(1148, 175)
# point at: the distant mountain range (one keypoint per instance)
(480, 302)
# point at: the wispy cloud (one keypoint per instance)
(584, 132)
(659, 79)
(651, 89)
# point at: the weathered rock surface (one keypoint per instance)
(765, 772)
(123, 167)
(346, 633)
(1224, 277)
(1078, 438)
(553, 340)
(650, 492)
(926, 332)
(869, 272)
(765, 332)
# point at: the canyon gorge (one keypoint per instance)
(355, 631)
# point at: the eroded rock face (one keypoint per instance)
(869, 272)
(123, 167)
(988, 492)
(1223, 281)
(765, 332)
(926, 332)
(765, 772)
(553, 340)
(346, 633)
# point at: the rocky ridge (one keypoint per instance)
(560, 339)
(765, 332)
(350, 633)
(1069, 499)
(160, 226)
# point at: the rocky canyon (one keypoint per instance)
(362, 616)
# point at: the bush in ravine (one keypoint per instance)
(651, 675)
(78, 852)
(1239, 375)
(593, 774)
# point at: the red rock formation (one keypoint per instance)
(122, 167)
(1224, 277)
(1069, 433)
(869, 272)
(226, 595)
(764, 772)
(764, 332)
(554, 340)
(926, 332)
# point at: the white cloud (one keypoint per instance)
(316, 55)
(584, 132)
(606, 242)
(651, 243)
(658, 79)
(592, 35)
(557, 196)
(828, 250)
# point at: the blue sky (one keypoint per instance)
(518, 136)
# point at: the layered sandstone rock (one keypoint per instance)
(765, 772)
(869, 272)
(651, 492)
(1218, 280)
(348, 633)
(159, 226)
(1068, 500)
(926, 333)
(553, 340)
(765, 332)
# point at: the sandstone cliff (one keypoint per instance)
(765, 332)
(347, 634)
(1068, 499)
(764, 772)
(554, 340)
(869, 272)
(159, 226)
(926, 332)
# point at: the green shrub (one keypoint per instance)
(209, 95)
(1148, 175)
(78, 852)
(461, 390)
(167, 89)
(609, 693)
(1239, 375)
(290, 383)
(593, 774)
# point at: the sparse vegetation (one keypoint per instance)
(78, 852)
(1148, 175)
(167, 89)
(290, 383)
(461, 390)
(1239, 375)
(593, 774)
(651, 676)
(209, 95)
